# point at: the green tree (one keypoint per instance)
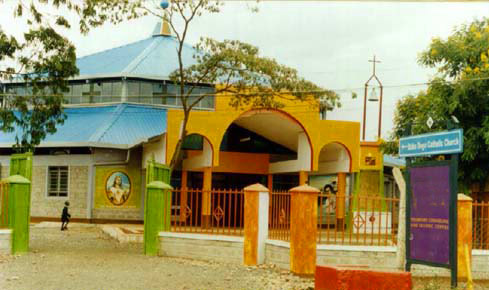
(234, 67)
(44, 59)
(461, 89)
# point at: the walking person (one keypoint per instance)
(65, 217)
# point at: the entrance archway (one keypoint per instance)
(262, 143)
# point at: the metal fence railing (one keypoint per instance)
(341, 220)
(350, 220)
(279, 216)
(219, 212)
(4, 216)
(480, 225)
(357, 220)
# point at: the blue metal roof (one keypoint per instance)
(117, 126)
(392, 161)
(152, 57)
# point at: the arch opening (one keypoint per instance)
(333, 180)
(197, 154)
(259, 144)
(333, 158)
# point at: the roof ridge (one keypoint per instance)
(101, 131)
(142, 55)
(146, 106)
(105, 50)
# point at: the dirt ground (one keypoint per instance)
(85, 258)
(426, 283)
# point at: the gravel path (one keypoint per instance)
(85, 258)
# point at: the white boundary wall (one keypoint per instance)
(5, 241)
(230, 249)
(202, 247)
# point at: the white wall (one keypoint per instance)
(156, 149)
(200, 161)
(333, 159)
(54, 160)
(303, 162)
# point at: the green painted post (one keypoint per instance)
(21, 164)
(157, 171)
(157, 214)
(353, 206)
(19, 212)
(381, 186)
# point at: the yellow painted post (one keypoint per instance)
(255, 224)
(340, 200)
(464, 233)
(303, 177)
(206, 197)
(303, 229)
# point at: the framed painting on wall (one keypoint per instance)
(118, 187)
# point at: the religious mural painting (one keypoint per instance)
(118, 187)
(327, 184)
(327, 201)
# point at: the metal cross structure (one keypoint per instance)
(373, 76)
(374, 62)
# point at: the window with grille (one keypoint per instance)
(58, 181)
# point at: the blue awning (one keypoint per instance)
(392, 161)
(112, 126)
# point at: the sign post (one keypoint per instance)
(431, 219)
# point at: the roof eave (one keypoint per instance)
(119, 75)
(88, 144)
(72, 144)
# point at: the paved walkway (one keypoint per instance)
(85, 258)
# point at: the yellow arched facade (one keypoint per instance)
(213, 126)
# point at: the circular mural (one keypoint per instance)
(118, 187)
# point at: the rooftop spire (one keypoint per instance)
(162, 29)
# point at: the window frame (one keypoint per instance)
(67, 183)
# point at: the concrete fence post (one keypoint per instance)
(256, 205)
(464, 233)
(157, 215)
(303, 229)
(19, 204)
(401, 231)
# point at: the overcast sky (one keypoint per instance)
(329, 43)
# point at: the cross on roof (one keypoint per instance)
(374, 62)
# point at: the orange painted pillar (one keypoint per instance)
(303, 229)
(183, 197)
(303, 177)
(206, 197)
(270, 182)
(464, 234)
(255, 224)
(340, 200)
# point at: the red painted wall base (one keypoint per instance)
(342, 278)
